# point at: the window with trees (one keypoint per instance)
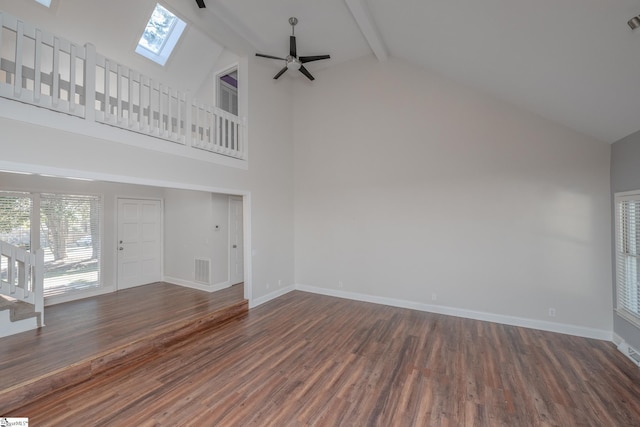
(71, 228)
(67, 227)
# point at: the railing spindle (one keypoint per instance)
(11, 273)
(38, 284)
(130, 97)
(37, 78)
(55, 91)
(141, 123)
(119, 114)
(160, 110)
(212, 124)
(170, 114)
(90, 82)
(72, 78)
(107, 90)
(179, 117)
(17, 83)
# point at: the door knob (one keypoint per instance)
(234, 246)
(120, 248)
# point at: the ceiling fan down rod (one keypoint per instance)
(293, 21)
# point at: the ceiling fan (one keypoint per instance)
(292, 60)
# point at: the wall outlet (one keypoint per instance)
(434, 297)
(279, 283)
(340, 284)
(552, 312)
(268, 285)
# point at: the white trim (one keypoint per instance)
(562, 328)
(270, 296)
(248, 251)
(79, 295)
(230, 199)
(9, 167)
(623, 194)
(194, 285)
(235, 66)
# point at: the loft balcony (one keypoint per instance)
(43, 70)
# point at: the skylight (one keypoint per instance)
(46, 3)
(161, 35)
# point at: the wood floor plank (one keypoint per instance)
(87, 337)
(306, 359)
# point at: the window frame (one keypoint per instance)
(218, 84)
(168, 44)
(99, 288)
(627, 234)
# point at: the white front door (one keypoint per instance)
(139, 242)
(236, 250)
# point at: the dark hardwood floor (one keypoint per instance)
(86, 337)
(306, 359)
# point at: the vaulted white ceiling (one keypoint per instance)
(573, 61)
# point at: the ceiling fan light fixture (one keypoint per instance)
(634, 22)
(293, 63)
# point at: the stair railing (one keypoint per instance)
(22, 275)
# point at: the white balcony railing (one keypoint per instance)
(47, 71)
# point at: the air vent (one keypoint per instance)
(630, 352)
(202, 271)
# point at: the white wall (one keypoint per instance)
(409, 185)
(267, 182)
(190, 233)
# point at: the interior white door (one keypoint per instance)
(139, 242)
(236, 250)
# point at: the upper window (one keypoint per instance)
(228, 92)
(161, 35)
(45, 2)
(628, 256)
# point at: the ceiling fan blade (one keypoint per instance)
(305, 59)
(281, 72)
(201, 4)
(306, 73)
(292, 46)
(269, 56)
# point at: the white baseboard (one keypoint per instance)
(562, 328)
(273, 295)
(199, 286)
